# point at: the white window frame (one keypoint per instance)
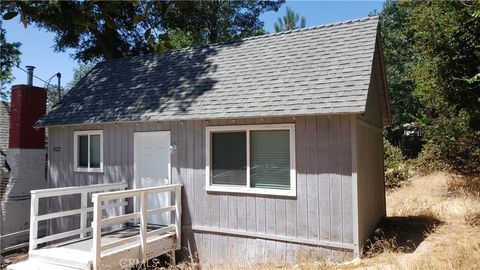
(75, 150)
(292, 192)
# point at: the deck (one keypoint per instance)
(114, 240)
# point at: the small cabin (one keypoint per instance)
(236, 153)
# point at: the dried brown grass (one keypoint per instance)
(451, 239)
(13, 257)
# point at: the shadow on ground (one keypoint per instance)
(400, 234)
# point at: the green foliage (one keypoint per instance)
(395, 167)
(79, 73)
(432, 58)
(399, 57)
(451, 146)
(181, 39)
(206, 22)
(289, 21)
(446, 38)
(94, 29)
(9, 58)
(115, 29)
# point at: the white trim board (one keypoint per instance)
(355, 219)
(75, 150)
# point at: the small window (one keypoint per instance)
(251, 159)
(88, 151)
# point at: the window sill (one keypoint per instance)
(89, 170)
(256, 191)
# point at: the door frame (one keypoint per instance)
(136, 137)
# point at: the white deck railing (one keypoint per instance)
(144, 236)
(83, 211)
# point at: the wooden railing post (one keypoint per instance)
(97, 231)
(83, 214)
(33, 221)
(143, 225)
(178, 216)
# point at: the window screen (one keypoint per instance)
(83, 151)
(229, 158)
(270, 159)
(94, 151)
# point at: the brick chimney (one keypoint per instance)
(26, 157)
(28, 104)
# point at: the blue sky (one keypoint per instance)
(37, 45)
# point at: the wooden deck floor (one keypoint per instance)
(134, 244)
(78, 254)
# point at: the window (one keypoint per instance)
(256, 159)
(88, 151)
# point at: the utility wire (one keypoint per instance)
(36, 77)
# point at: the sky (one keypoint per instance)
(37, 45)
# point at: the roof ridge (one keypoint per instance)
(310, 28)
(279, 33)
(214, 45)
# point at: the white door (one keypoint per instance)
(152, 169)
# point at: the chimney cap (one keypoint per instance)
(30, 75)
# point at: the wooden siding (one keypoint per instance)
(375, 98)
(371, 185)
(216, 225)
(369, 166)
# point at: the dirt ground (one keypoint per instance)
(433, 223)
(13, 257)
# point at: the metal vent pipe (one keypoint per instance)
(30, 74)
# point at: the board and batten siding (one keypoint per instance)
(369, 162)
(236, 227)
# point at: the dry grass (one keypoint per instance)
(13, 257)
(438, 226)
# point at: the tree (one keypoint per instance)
(94, 29)
(476, 15)
(79, 73)
(9, 58)
(289, 21)
(115, 29)
(431, 55)
(194, 23)
(398, 50)
(447, 39)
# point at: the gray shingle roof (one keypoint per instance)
(319, 70)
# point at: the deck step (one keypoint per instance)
(32, 264)
(64, 257)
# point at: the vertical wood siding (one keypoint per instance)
(321, 211)
(369, 143)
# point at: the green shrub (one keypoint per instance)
(395, 166)
(429, 160)
(450, 145)
(461, 155)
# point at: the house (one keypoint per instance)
(276, 139)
